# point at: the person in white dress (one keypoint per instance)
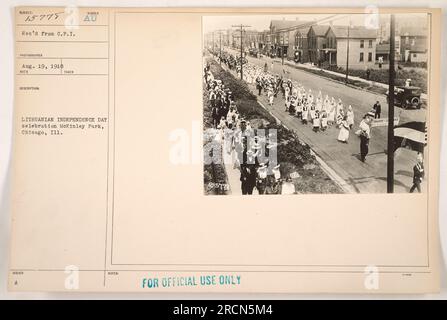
(299, 108)
(276, 172)
(312, 112)
(319, 103)
(339, 109)
(350, 115)
(305, 114)
(326, 103)
(331, 113)
(288, 187)
(270, 95)
(340, 117)
(343, 135)
(287, 102)
(310, 96)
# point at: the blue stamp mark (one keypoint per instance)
(207, 280)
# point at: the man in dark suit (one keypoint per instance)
(248, 178)
(259, 85)
(418, 174)
(377, 110)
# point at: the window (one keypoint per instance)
(370, 56)
(414, 55)
(361, 56)
(370, 44)
(362, 43)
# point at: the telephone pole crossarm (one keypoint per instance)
(241, 28)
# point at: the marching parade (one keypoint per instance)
(341, 122)
(321, 113)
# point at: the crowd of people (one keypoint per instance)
(231, 61)
(318, 111)
(224, 113)
(321, 112)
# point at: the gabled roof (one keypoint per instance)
(303, 31)
(355, 32)
(319, 30)
(418, 48)
(284, 24)
(413, 32)
(383, 48)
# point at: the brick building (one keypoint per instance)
(316, 42)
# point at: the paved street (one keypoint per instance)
(344, 158)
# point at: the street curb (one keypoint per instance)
(339, 181)
(333, 175)
(423, 95)
(336, 81)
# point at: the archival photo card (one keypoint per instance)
(147, 139)
(297, 104)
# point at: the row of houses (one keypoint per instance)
(327, 45)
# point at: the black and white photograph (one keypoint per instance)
(315, 103)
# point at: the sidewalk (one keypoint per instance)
(234, 181)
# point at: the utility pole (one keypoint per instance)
(282, 50)
(390, 152)
(220, 44)
(241, 26)
(213, 45)
(347, 53)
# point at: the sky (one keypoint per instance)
(262, 22)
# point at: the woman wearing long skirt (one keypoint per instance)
(326, 103)
(339, 108)
(319, 101)
(305, 114)
(319, 104)
(350, 115)
(343, 135)
(312, 112)
(332, 110)
(270, 96)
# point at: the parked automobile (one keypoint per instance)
(407, 97)
(254, 52)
